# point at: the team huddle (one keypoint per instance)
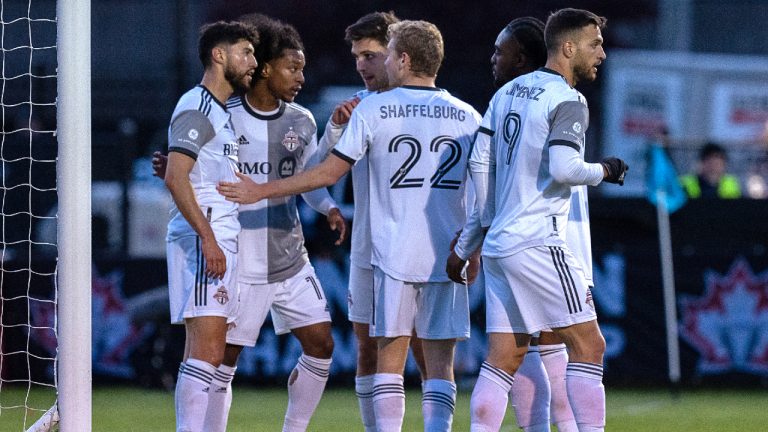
(425, 166)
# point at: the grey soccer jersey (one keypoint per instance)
(528, 119)
(273, 146)
(360, 254)
(417, 141)
(201, 128)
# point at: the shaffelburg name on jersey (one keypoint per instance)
(427, 111)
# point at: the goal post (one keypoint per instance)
(74, 218)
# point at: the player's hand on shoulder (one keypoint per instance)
(246, 191)
(337, 223)
(614, 170)
(343, 111)
(159, 162)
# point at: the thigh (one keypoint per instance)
(253, 306)
(360, 300)
(442, 311)
(394, 306)
(191, 293)
(299, 302)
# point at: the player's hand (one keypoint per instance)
(455, 268)
(473, 268)
(337, 223)
(215, 261)
(246, 191)
(614, 170)
(343, 111)
(159, 162)
(455, 240)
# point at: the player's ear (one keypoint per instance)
(266, 71)
(569, 48)
(219, 54)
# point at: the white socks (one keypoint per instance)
(438, 402)
(555, 359)
(364, 392)
(192, 394)
(530, 394)
(219, 399)
(586, 393)
(305, 387)
(489, 398)
(388, 401)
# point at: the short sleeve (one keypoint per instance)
(569, 121)
(189, 132)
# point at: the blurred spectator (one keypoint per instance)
(711, 179)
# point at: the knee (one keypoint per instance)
(321, 348)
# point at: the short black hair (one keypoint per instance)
(229, 32)
(275, 36)
(529, 33)
(711, 149)
(566, 20)
(373, 25)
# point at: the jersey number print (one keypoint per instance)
(409, 143)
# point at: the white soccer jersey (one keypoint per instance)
(417, 141)
(527, 118)
(360, 254)
(201, 128)
(273, 146)
(578, 235)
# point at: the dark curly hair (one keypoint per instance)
(275, 36)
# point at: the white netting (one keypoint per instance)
(27, 191)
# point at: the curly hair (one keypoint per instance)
(275, 36)
(228, 32)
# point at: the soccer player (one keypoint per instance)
(368, 37)
(416, 137)
(539, 387)
(202, 231)
(277, 138)
(537, 124)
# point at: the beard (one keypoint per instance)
(238, 81)
(583, 72)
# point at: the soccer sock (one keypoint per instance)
(364, 392)
(388, 401)
(489, 398)
(219, 399)
(530, 393)
(305, 387)
(555, 359)
(192, 394)
(437, 404)
(586, 393)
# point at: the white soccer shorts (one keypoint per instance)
(536, 289)
(360, 299)
(437, 310)
(296, 302)
(190, 292)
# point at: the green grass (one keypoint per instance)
(125, 409)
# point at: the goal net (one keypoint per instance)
(40, 283)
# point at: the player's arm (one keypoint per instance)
(335, 126)
(320, 199)
(177, 182)
(246, 191)
(182, 154)
(466, 247)
(569, 124)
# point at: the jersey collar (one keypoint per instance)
(251, 111)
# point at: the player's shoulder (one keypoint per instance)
(201, 99)
(235, 103)
(299, 113)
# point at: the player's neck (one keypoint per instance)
(563, 68)
(261, 98)
(418, 81)
(217, 85)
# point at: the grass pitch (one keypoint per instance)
(126, 409)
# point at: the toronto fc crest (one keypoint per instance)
(221, 296)
(291, 140)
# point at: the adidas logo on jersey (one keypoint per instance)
(242, 140)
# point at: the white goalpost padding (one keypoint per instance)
(74, 219)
